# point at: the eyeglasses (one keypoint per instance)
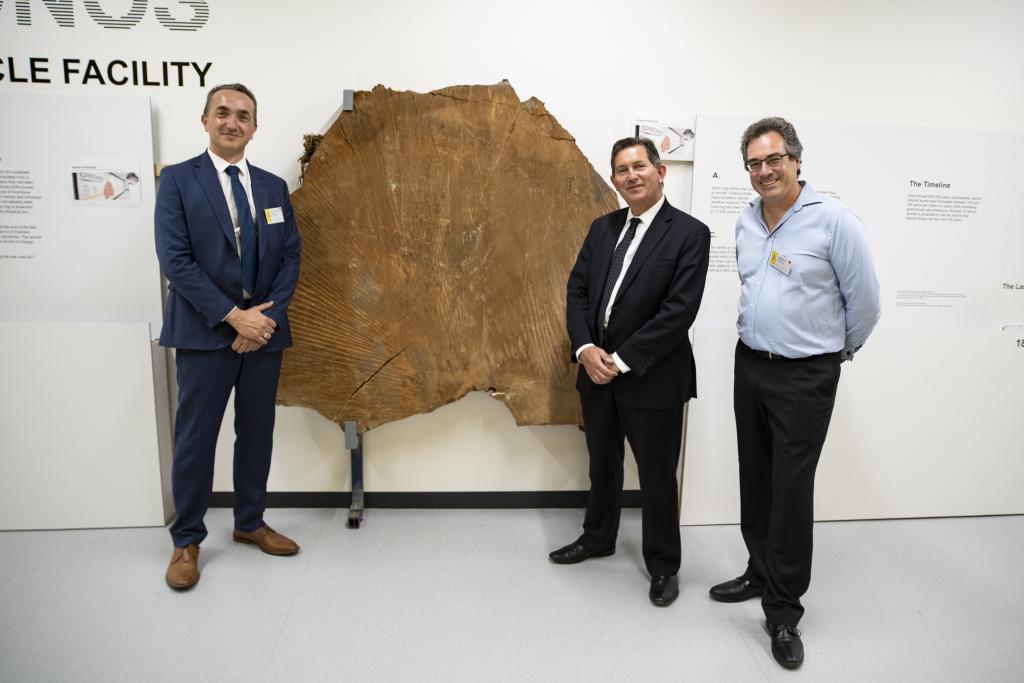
(773, 161)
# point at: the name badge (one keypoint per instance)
(780, 263)
(274, 215)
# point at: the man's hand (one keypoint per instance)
(600, 365)
(252, 324)
(243, 345)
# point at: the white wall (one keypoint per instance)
(84, 420)
(89, 463)
(596, 65)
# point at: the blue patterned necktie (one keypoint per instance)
(250, 252)
(618, 258)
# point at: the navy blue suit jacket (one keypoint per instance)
(195, 243)
(653, 310)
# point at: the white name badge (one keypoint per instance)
(780, 263)
(274, 215)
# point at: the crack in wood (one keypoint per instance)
(367, 381)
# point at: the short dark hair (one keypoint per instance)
(237, 87)
(779, 125)
(646, 143)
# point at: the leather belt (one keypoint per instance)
(768, 355)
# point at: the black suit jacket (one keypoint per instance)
(653, 310)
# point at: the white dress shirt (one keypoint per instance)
(225, 186)
(229, 195)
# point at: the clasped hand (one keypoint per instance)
(254, 329)
(599, 364)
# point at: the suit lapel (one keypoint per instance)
(206, 175)
(659, 226)
(261, 200)
(602, 258)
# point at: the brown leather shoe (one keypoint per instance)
(183, 571)
(268, 540)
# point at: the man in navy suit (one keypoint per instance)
(228, 245)
(632, 296)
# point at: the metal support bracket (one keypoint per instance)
(354, 443)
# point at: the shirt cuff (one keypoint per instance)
(582, 349)
(623, 368)
(847, 353)
(233, 309)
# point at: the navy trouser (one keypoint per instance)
(205, 381)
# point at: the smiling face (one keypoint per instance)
(638, 181)
(230, 119)
(776, 185)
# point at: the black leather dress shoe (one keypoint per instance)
(664, 590)
(787, 648)
(736, 590)
(575, 552)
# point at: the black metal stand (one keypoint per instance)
(354, 443)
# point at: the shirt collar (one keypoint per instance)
(647, 217)
(807, 196)
(221, 164)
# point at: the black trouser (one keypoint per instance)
(655, 437)
(783, 408)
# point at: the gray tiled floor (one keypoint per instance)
(468, 595)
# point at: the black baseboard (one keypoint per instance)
(428, 499)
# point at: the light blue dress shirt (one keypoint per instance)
(830, 299)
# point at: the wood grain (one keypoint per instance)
(438, 231)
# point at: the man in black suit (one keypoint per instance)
(632, 296)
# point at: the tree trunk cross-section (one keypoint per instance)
(438, 231)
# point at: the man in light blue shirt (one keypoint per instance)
(809, 299)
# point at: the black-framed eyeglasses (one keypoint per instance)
(772, 160)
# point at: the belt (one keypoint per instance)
(768, 355)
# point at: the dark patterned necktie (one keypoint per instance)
(247, 229)
(613, 273)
